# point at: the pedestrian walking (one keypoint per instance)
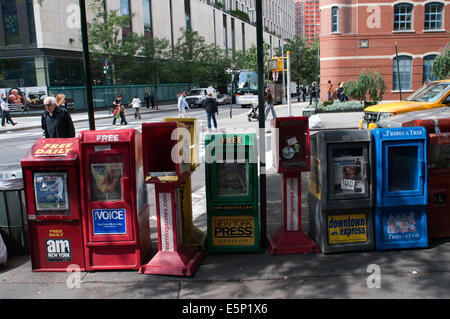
(152, 100)
(268, 98)
(119, 111)
(312, 92)
(147, 99)
(136, 104)
(341, 95)
(55, 121)
(210, 106)
(6, 117)
(182, 105)
(330, 91)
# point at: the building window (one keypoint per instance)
(225, 38)
(428, 68)
(147, 8)
(10, 22)
(31, 26)
(233, 37)
(125, 11)
(243, 37)
(187, 14)
(405, 71)
(434, 16)
(403, 17)
(334, 19)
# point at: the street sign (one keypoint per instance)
(232, 71)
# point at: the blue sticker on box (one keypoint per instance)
(109, 221)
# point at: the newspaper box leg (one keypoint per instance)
(193, 237)
(173, 257)
(289, 239)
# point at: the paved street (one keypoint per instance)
(414, 273)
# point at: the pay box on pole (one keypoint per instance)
(340, 191)
(167, 160)
(291, 156)
(439, 175)
(115, 200)
(401, 187)
(52, 191)
(232, 193)
(193, 237)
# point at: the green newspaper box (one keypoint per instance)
(231, 171)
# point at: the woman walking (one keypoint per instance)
(136, 104)
(269, 104)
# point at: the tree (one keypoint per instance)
(368, 84)
(191, 55)
(441, 65)
(304, 68)
(106, 38)
(155, 65)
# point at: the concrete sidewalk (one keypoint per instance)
(414, 273)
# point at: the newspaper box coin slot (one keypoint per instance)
(340, 191)
(52, 192)
(232, 193)
(401, 187)
(174, 257)
(115, 203)
(291, 156)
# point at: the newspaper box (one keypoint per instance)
(291, 156)
(340, 191)
(401, 187)
(232, 193)
(167, 160)
(52, 191)
(115, 206)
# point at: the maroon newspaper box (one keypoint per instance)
(115, 200)
(52, 191)
(291, 156)
(439, 185)
(166, 156)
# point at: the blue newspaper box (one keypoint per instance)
(401, 187)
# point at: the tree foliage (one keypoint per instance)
(304, 68)
(369, 84)
(441, 65)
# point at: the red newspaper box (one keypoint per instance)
(291, 156)
(52, 192)
(115, 203)
(439, 185)
(166, 156)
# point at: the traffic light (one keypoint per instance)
(105, 66)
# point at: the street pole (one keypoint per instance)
(87, 65)
(398, 72)
(282, 56)
(288, 54)
(262, 123)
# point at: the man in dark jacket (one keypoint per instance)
(56, 122)
(210, 105)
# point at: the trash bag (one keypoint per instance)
(3, 252)
(314, 121)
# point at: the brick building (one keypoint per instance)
(362, 34)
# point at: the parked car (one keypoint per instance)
(433, 95)
(198, 95)
(223, 99)
(398, 120)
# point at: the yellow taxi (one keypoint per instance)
(433, 95)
